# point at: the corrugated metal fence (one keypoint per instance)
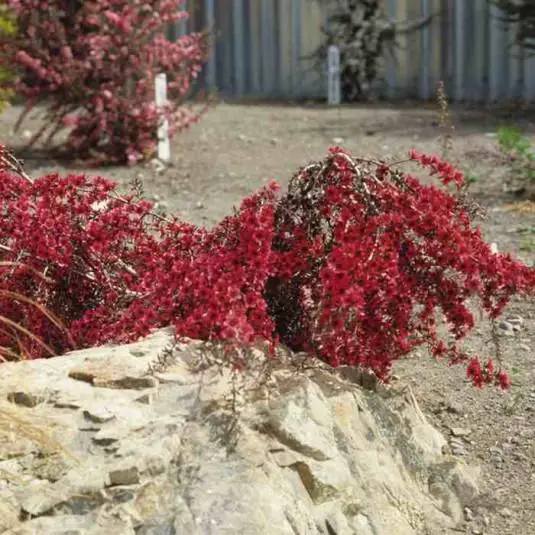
(260, 45)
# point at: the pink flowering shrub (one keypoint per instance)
(95, 63)
(352, 265)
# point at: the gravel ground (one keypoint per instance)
(236, 148)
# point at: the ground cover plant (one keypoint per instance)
(95, 64)
(352, 264)
(519, 153)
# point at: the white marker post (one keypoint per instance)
(164, 148)
(334, 96)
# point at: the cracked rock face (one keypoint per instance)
(91, 443)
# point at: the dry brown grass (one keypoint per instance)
(18, 422)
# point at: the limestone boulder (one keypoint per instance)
(98, 442)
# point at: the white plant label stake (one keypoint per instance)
(164, 148)
(334, 96)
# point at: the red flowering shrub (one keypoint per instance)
(95, 63)
(367, 256)
(351, 264)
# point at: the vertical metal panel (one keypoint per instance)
(425, 54)
(277, 57)
(255, 64)
(436, 45)
(296, 47)
(405, 82)
(413, 49)
(487, 59)
(267, 55)
(237, 33)
(516, 65)
(529, 77)
(495, 71)
(391, 67)
(448, 28)
(313, 82)
(224, 47)
(284, 27)
(248, 38)
(400, 71)
(478, 51)
(211, 66)
(459, 50)
(519, 73)
(507, 61)
(380, 84)
(467, 81)
(324, 75)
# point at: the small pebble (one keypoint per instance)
(454, 408)
(505, 326)
(516, 320)
(457, 447)
(158, 165)
(460, 431)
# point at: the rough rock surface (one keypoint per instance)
(132, 452)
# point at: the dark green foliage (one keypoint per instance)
(521, 13)
(363, 32)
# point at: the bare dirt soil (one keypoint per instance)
(236, 148)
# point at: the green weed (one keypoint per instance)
(518, 149)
